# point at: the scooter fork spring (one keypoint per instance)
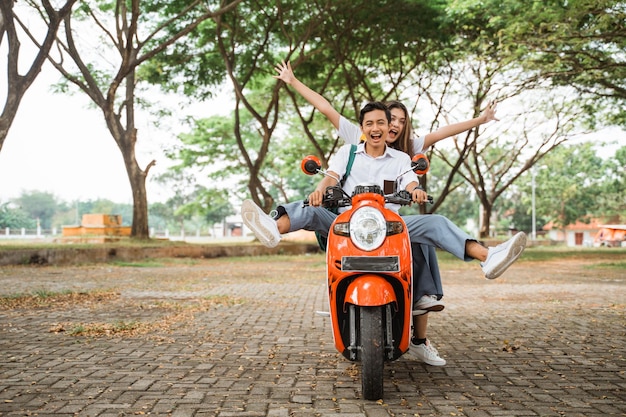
(353, 347)
(388, 332)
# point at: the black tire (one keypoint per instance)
(372, 352)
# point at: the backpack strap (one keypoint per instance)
(349, 166)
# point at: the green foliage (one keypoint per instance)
(15, 218)
(211, 147)
(453, 52)
(570, 185)
(193, 205)
(160, 214)
(611, 191)
(378, 42)
(211, 204)
(578, 43)
(460, 204)
(38, 205)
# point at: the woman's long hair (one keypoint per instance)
(403, 142)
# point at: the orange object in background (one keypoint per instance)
(98, 225)
(611, 236)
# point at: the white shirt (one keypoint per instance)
(351, 133)
(393, 166)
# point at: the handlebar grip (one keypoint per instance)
(404, 197)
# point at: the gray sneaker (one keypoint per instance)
(262, 225)
(427, 303)
(500, 257)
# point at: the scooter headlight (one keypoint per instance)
(368, 228)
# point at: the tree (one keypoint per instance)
(192, 201)
(610, 203)
(569, 188)
(491, 157)
(15, 218)
(459, 204)
(211, 152)
(481, 65)
(579, 43)
(327, 41)
(211, 205)
(38, 205)
(131, 33)
(159, 214)
(17, 84)
(361, 67)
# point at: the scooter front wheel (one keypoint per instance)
(372, 351)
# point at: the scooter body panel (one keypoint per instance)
(369, 290)
(369, 278)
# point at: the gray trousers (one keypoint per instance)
(427, 230)
(426, 276)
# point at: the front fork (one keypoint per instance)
(354, 346)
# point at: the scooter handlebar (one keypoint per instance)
(333, 197)
(403, 198)
(336, 198)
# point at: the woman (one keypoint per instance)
(427, 281)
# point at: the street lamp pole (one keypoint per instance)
(534, 219)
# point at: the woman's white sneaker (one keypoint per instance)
(427, 353)
(500, 257)
(262, 225)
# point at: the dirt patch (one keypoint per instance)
(67, 255)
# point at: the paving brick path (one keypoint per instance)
(239, 337)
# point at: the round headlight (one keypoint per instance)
(368, 228)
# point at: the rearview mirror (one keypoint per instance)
(420, 164)
(311, 165)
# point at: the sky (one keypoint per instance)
(59, 144)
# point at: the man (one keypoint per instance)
(374, 163)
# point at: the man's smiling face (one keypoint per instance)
(375, 127)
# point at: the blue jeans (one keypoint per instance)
(429, 229)
(426, 231)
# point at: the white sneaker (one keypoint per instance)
(502, 256)
(427, 353)
(427, 303)
(262, 225)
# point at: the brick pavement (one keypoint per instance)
(239, 337)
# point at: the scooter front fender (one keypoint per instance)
(370, 290)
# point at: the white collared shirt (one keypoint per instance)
(393, 165)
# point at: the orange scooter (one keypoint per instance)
(370, 276)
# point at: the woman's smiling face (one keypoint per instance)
(396, 127)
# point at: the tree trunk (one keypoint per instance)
(485, 221)
(18, 84)
(126, 139)
(137, 178)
